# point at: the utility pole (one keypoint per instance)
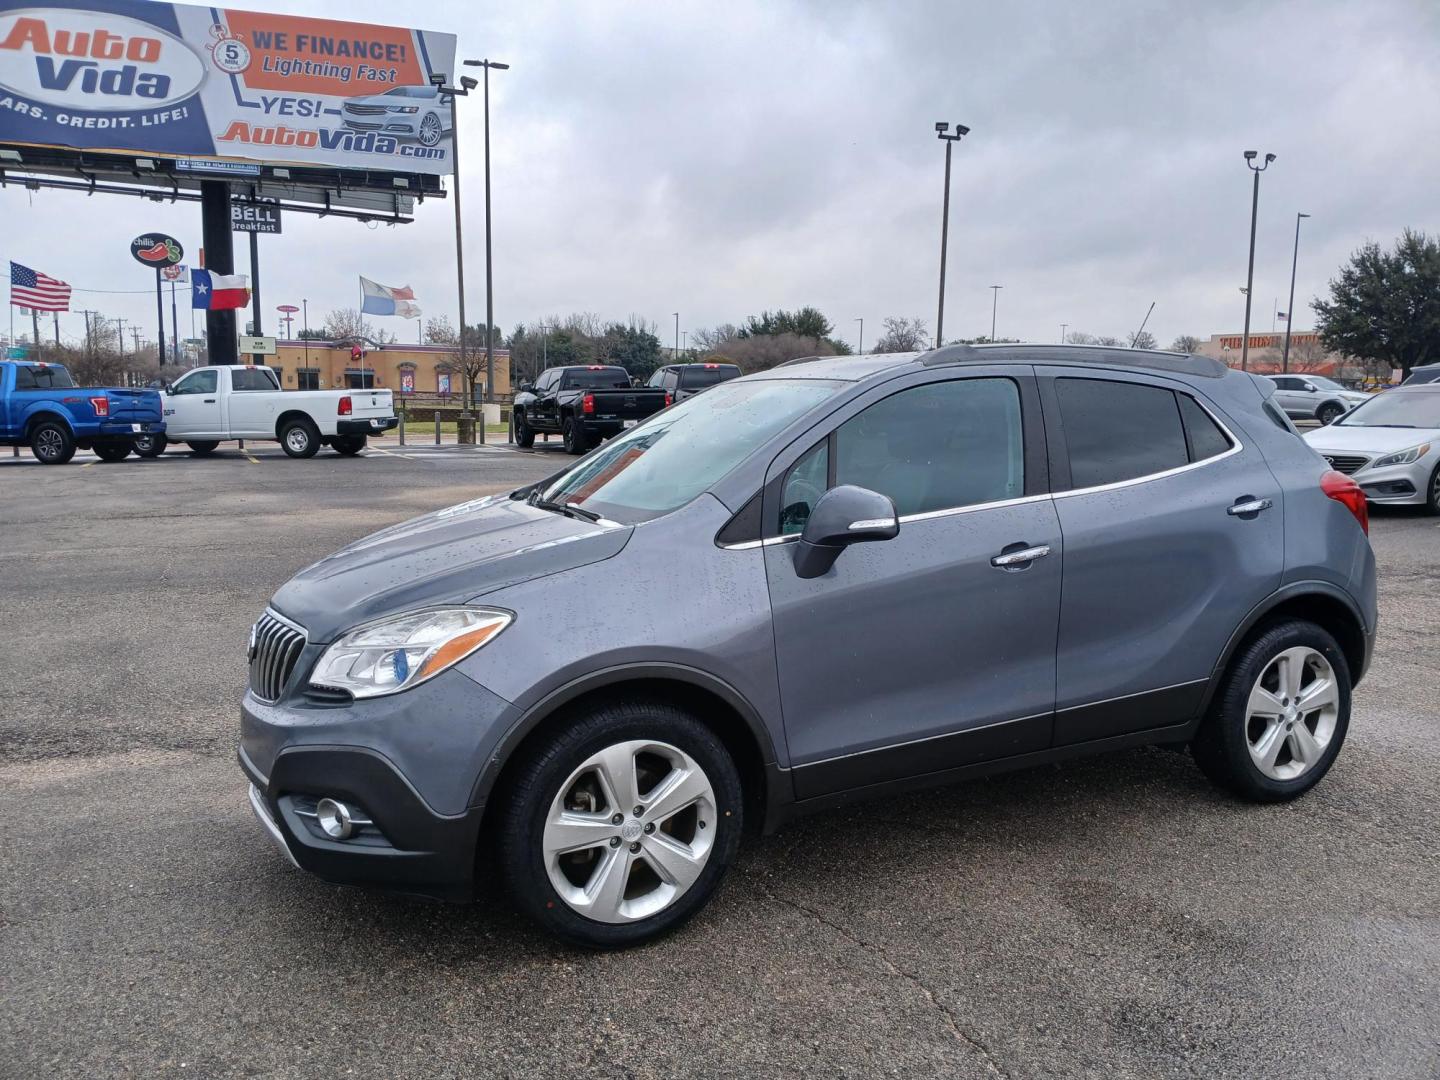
(1063, 327)
(1250, 156)
(1290, 311)
(120, 333)
(950, 140)
(994, 306)
(89, 342)
(135, 330)
(861, 347)
(675, 356)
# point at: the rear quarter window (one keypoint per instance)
(1117, 431)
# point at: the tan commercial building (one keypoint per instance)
(422, 370)
(1307, 354)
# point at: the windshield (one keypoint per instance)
(667, 461)
(1396, 409)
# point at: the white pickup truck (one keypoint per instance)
(210, 405)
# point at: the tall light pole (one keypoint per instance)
(1250, 156)
(676, 355)
(487, 64)
(994, 305)
(1063, 327)
(453, 94)
(861, 347)
(305, 322)
(1290, 311)
(942, 129)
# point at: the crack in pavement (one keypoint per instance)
(944, 1010)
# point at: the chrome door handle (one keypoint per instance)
(1017, 558)
(1252, 506)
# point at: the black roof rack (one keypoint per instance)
(1178, 363)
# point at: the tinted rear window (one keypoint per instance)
(1206, 438)
(695, 378)
(604, 379)
(46, 378)
(1118, 431)
(242, 379)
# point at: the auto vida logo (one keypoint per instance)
(93, 60)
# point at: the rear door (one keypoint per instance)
(1161, 564)
(192, 407)
(919, 654)
(254, 403)
(545, 409)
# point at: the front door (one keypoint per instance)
(1161, 562)
(921, 653)
(192, 407)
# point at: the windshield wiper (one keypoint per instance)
(570, 510)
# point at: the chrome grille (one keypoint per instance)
(365, 110)
(275, 646)
(1346, 463)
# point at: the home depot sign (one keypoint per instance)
(1269, 341)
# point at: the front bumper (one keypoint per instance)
(373, 426)
(1398, 485)
(409, 762)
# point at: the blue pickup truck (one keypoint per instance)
(42, 408)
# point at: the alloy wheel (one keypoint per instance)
(630, 831)
(430, 131)
(48, 444)
(1292, 713)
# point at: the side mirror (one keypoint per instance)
(843, 516)
(527, 388)
(1311, 388)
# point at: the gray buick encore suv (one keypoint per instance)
(841, 578)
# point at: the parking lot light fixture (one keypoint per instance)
(994, 304)
(1250, 156)
(453, 94)
(860, 348)
(487, 64)
(949, 138)
(1290, 311)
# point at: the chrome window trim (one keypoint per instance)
(1236, 446)
(970, 509)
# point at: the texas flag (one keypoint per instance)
(377, 299)
(218, 292)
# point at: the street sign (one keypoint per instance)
(156, 250)
(255, 217)
(265, 346)
(179, 272)
(288, 309)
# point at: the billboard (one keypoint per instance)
(180, 81)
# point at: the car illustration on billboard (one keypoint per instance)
(415, 112)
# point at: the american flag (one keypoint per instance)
(29, 288)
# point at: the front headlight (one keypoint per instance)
(1402, 457)
(403, 108)
(398, 653)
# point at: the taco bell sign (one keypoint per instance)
(132, 76)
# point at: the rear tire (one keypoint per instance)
(150, 446)
(663, 864)
(1280, 715)
(52, 443)
(203, 448)
(299, 439)
(349, 445)
(112, 451)
(524, 437)
(573, 436)
(1328, 413)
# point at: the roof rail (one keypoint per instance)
(804, 360)
(950, 354)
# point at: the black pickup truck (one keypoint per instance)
(583, 404)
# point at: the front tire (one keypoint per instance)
(203, 447)
(1280, 715)
(52, 443)
(1328, 413)
(1432, 501)
(150, 446)
(118, 451)
(524, 436)
(620, 826)
(299, 439)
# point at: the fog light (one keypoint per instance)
(335, 819)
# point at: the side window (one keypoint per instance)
(938, 446)
(806, 482)
(672, 379)
(1201, 432)
(1119, 431)
(199, 382)
(243, 380)
(24, 378)
(1286, 383)
(657, 377)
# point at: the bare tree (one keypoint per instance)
(439, 331)
(713, 339)
(1186, 343)
(1308, 357)
(763, 351)
(1142, 339)
(1079, 337)
(902, 335)
(347, 324)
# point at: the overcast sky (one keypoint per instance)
(720, 158)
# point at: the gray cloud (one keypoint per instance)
(718, 159)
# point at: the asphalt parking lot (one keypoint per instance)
(1113, 917)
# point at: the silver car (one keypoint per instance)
(407, 112)
(1390, 445)
(1314, 397)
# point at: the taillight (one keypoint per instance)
(669, 399)
(346, 408)
(100, 405)
(587, 403)
(1347, 492)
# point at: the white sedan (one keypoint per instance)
(1390, 445)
